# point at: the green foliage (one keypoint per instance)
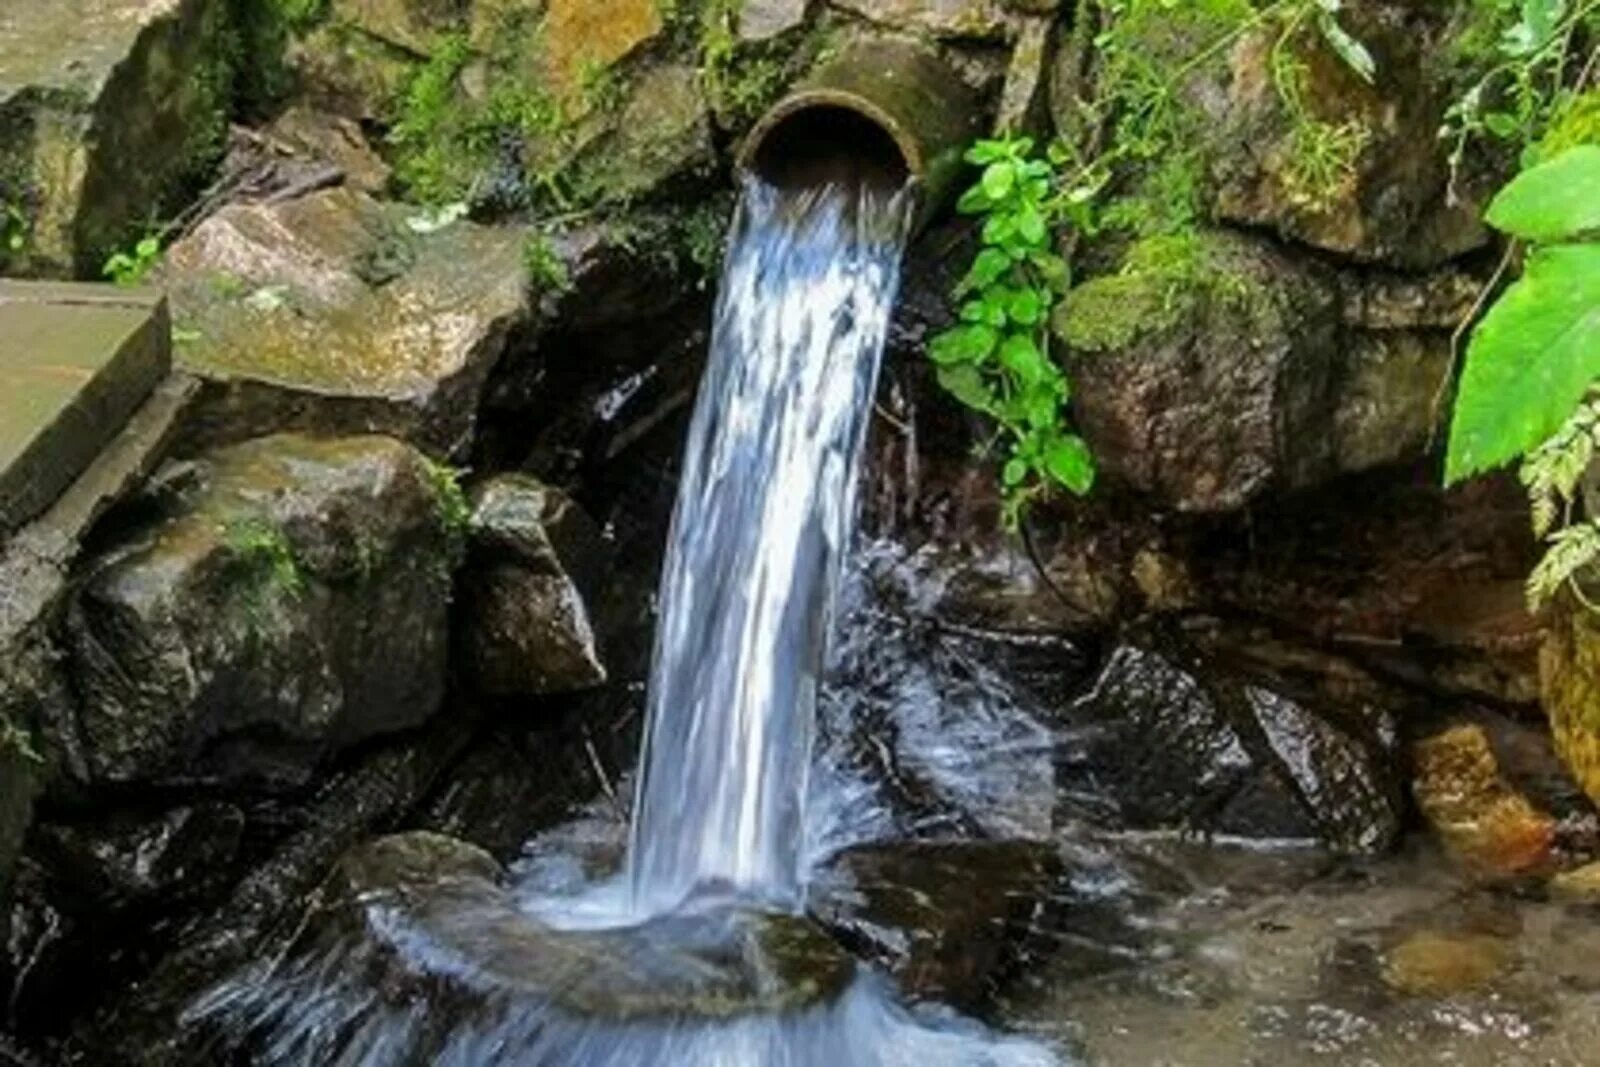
(264, 565)
(451, 506)
(134, 265)
(546, 269)
(1534, 355)
(1520, 90)
(997, 359)
(740, 82)
(15, 228)
(14, 738)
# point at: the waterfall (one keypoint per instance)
(763, 518)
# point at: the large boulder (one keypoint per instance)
(1204, 368)
(1175, 736)
(288, 599)
(533, 555)
(111, 111)
(335, 313)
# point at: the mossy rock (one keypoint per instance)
(339, 313)
(1569, 678)
(111, 113)
(1282, 134)
(281, 600)
(417, 937)
(1205, 369)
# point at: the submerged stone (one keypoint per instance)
(948, 920)
(420, 919)
(1482, 818)
(287, 599)
(1435, 964)
(338, 313)
(532, 554)
(110, 112)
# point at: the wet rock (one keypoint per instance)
(129, 862)
(422, 919)
(1170, 737)
(110, 111)
(1388, 403)
(1481, 817)
(1569, 681)
(532, 553)
(948, 920)
(1579, 884)
(964, 19)
(336, 313)
(142, 1022)
(333, 141)
(289, 601)
(1434, 964)
(16, 807)
(1481, 639)
(1205, 370)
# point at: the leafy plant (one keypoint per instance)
(546, 269)
(1522, 90)
(14, 228)
(997, 359)
(132, 266)
(1534, 355)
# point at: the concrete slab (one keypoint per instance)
(75, 362)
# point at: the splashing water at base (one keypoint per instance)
(718, 839)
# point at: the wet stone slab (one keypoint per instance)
(75, 362)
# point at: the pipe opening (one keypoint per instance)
(816, 143)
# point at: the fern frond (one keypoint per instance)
(1571, 550)
(1551, 472)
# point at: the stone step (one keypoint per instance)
(75, 362)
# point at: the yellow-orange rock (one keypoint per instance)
(1569, 685)
(1480, 816)
(1434, 964)
(583, 35)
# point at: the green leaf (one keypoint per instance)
(998, 180)
(998, 230)
(1026, 307)
(965, 382)
(986, 152)
(1531, 360)
(987, 268)
(964, 344)
(1555, 201)
(1021, 356)
(1068, 461)
(974, 201)
(1352, 51)
(1014, 472)
(1030, 226)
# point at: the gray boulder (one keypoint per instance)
(527, 625)
(290, 599)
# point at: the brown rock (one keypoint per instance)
(1569, 682)
(1478, 814)
(1434, 964)
(582, 35)
(334, 140)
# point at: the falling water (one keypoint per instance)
(539, 976)
(763, 516)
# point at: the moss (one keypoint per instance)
(1165, 280)
(263, 30)
(263, 567)
(1578, 124)
(451, 506)
(547, 271)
